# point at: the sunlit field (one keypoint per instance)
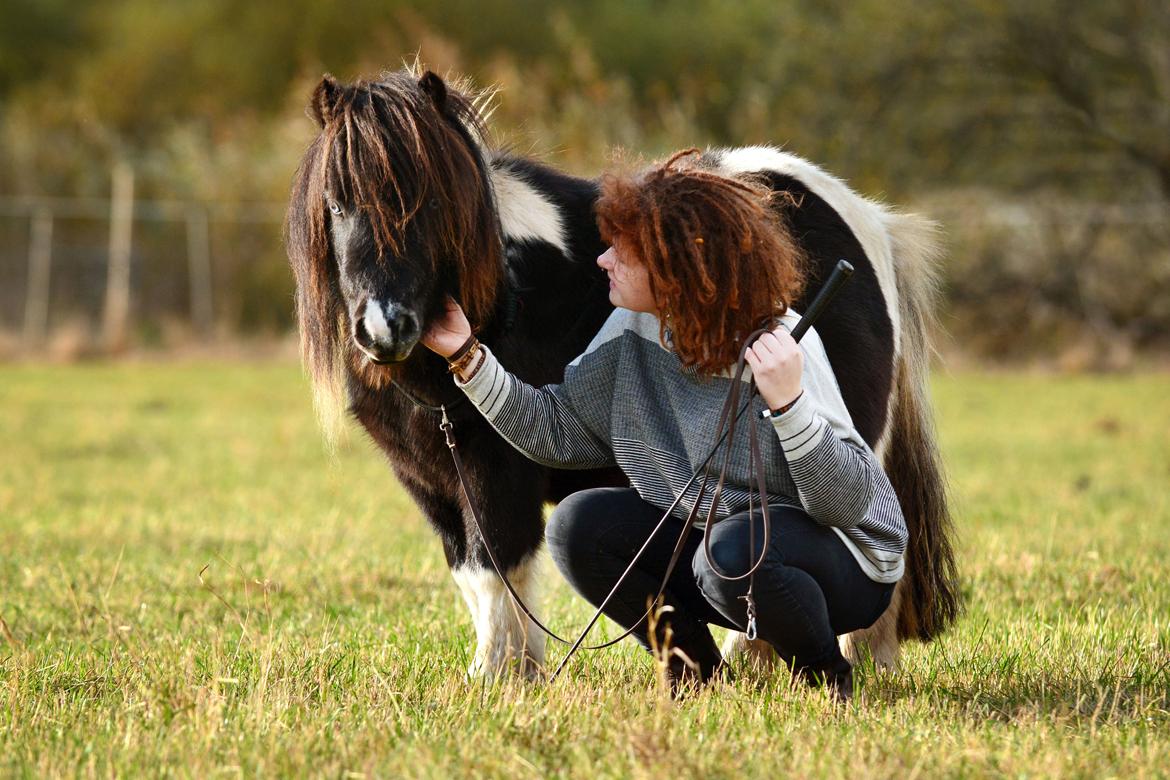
(191, 585)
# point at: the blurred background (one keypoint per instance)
(146, 148)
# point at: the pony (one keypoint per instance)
(400, 200)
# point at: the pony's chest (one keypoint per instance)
(405, 434)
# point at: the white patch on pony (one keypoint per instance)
(526, 214)
(375, 322)
(866, 218)
(506, 639)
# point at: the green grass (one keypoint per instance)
(324, 635)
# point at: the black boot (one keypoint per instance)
(836, 674)
(705, 663)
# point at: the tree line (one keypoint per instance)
(1051, 103)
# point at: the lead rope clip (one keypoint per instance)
(751, 617)
(446, 426)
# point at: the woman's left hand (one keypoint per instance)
(777, 363)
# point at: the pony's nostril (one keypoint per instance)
(408, 326)
(360, 334)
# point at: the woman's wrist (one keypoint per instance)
(476, 359)
(468, 344)
(460, 359)
(777, 411)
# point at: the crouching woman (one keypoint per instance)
(697, 261)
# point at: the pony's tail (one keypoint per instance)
(930, 600)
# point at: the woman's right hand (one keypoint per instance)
(449, 331)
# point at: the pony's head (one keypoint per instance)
(391, 210)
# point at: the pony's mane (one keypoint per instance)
(407, 150)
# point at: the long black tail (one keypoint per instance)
(930, 600)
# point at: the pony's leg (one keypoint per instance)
(757, 653)
(502, 641)
(506, 639)
(507, 489)
(880, 639)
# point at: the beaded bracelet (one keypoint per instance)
(478, 366)
(460, 359)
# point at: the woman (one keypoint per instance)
(696, 262)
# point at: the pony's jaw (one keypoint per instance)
(383, 358)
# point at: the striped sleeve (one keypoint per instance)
(839, 481)
(562, 425)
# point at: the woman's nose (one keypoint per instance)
(605, 259)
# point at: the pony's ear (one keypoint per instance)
(323, 104)
(431, 84)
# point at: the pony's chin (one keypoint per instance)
(388, 360)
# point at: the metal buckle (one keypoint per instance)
(446, 426)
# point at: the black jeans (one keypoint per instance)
(808, 590)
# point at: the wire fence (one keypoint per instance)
(108, 272)
(119, 269)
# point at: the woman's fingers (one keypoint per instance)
(761, 346)
(778, 342)
(768, 344)
(448, 331)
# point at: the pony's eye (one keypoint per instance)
(434, 203)
(335, 207)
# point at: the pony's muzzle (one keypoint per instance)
(385, 332)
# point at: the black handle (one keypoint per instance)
(813, 313)
(840, 275)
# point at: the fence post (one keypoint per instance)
(117, 306)
(40, 254)
(199, 269)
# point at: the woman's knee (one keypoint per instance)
(729, 556)
(576, 522)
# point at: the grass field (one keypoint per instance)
(190, 586)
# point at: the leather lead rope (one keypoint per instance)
(448, 429)
(725, 429)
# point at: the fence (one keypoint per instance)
(158, 261)
(1021, 278)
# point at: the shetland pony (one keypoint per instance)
(400, 200)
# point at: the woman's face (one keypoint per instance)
(629, 283)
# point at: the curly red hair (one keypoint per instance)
(720, 260)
